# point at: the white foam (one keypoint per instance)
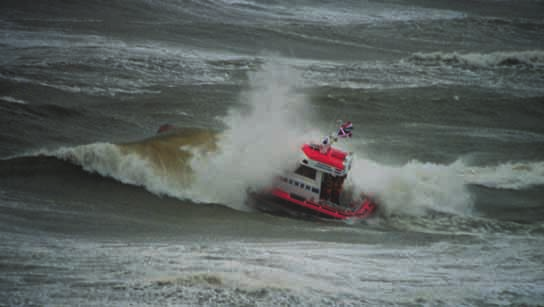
(413, 188)
(135, 66)
(533, 58)
(417, 187)
(337, 14)
(259, 142)
(262, 139)
(510, 175)
(13, 100)
(246, 160)
(91, 90)
(107, 160)
(369, 14)
(34, 39)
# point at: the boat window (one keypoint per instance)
(306, 171)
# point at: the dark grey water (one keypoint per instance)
(95, 209)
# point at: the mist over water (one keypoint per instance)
(262, 138)
(98, 209)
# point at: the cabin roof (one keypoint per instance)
(332, 157)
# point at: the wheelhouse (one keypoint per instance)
(320, 175)
(316, 185)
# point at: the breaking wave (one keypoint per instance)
(510, 175)
(262, 136)
(175, 166)
(262, 139)
(414, 188)
(109, 160)
(533, 59)
(417, 187)
(159, 164)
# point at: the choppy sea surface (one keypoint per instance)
(97, 209)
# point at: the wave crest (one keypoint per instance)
(159, 164)
(109, 160)
(510, 175)
(417, 188)
(414, 188)
(533, 59)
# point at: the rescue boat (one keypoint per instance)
(316, 186)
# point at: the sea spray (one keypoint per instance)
(262, 139)
(411, 189)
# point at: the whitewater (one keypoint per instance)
(99, 209)
(272, 130)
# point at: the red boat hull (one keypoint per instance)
(286, 202)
